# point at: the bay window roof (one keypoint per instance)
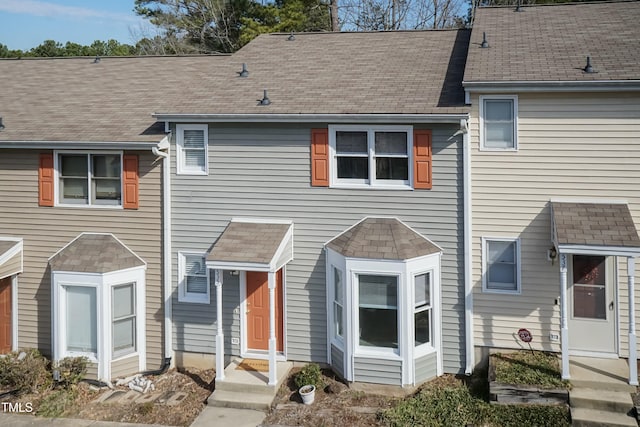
(382, 238)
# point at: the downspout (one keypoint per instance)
(163, 150)
(468, 285)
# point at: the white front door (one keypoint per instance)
(592, 305)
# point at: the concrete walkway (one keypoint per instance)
(209, 416)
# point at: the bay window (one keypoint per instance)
(422, 309)
(338, 304)
(378, 311)
(124, 319)
(81, 320)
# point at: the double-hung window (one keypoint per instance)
(378, 311)
(192, 144)
(338, 304)
(499, 122)
(501, 265)
(194, 278)
(90, 179)
(371, 157)
(422, 309)
(124, 319)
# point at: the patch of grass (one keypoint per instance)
(452, 403)
(535, 368)
(57, 402)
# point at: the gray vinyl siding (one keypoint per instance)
(426, 367)
(379, 371)
(337, 360)
(46, 230)
(125, 367)
(264, 171)
(12, 266)
(194, 326)
(92, 371)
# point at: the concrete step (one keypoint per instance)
(613, 401)
(241, 387)
(605, 386)
(240, 400)
(581, 417)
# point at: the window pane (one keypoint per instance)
(106, 189)
(73, 165)
(498, 110)
(423, 290)
(337, 285)
(502, 276)
(392, 168)
(194, 158)
(351, 142)
(423, 327)
(195, 264)
(81, 319)
(378, 314)
(193, 138)
(391, 143)
(378, 291)
(74, 189)
(353, 167)
(196, 284)
(124, 334)
(123, 301)
(499, 135)
(589, 270)
(503, 252)
(589, 302)
(106, 166)
(337, 316)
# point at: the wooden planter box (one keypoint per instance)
(508, 394)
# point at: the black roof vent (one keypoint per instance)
(97, 60)
(1, 124)
(265, 99)
(244, 72)
(588, 68)
(484, 44)
(291, 37)
(518, 8)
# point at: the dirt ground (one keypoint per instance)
(335, 405)
(197, 384)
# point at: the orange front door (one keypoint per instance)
(5, 315)
(258, 311)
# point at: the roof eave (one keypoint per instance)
(84, 145)
(553, 86)
(310, 118)
(626, 251)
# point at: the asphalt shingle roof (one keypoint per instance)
(598, 224)
(551, 43)
(94, 253)
(382, 238)
(248, 242)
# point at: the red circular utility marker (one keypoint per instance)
(525, 335)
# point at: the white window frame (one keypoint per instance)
(481, 106)
(89, 204)
(485, 259)
(134, 316)
(104, 284)
(181, 168)
(429, 347)
(192, 297)
(371, 182)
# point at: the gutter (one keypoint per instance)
(311, 118)
(162, 149)
(468, 285)
(552, 85)
(53, 145)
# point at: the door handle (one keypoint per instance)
(611, 306)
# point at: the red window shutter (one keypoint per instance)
(130, 182)
(320, 157)
(45, 180)
(422, 159)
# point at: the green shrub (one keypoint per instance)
(529, 415)
(72, 370)
(309, 375)
(56, 403)
(27, 375)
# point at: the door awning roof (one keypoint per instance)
(10, 256)
(253, 245)
(95, 253)
(382, 238)
(605, 228)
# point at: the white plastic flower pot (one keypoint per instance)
(307, 393)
